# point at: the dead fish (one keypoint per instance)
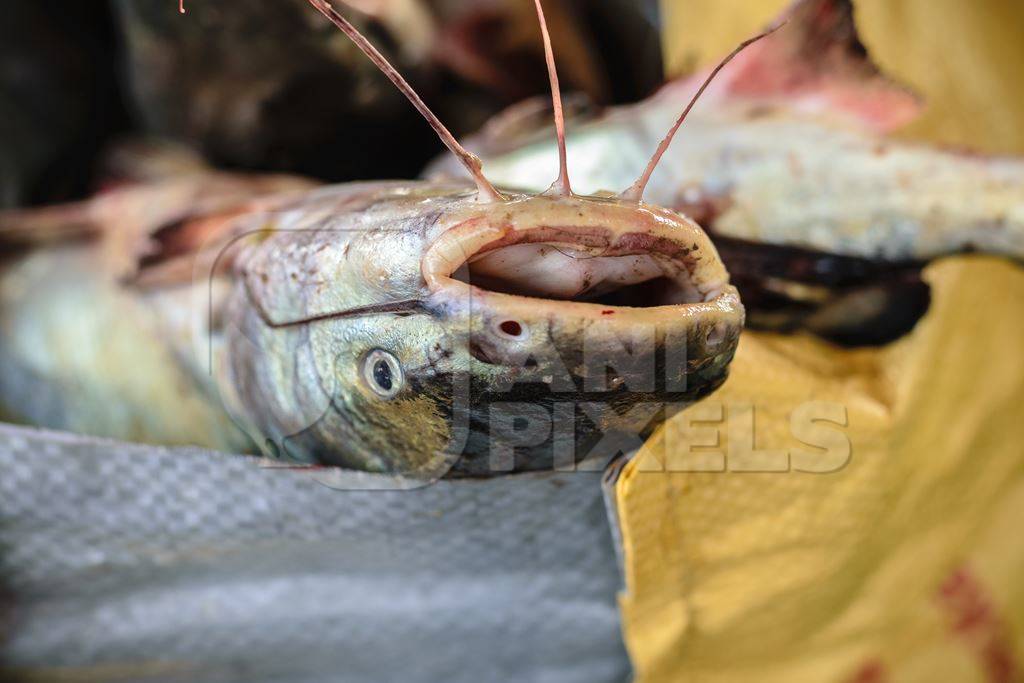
(789, 147)
(404, 327)
(790, 151)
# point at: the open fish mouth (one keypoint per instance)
(582, 258)
(551, 263)
(612, 313)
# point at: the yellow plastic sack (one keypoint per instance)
(900, 559)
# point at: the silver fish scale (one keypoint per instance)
(134, 563)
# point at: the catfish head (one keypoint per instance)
(411, 329)
(425, 328)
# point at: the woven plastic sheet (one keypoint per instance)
(131, 563)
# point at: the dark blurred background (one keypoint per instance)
(272, 86)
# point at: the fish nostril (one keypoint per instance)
(716, 335)
(511, 328)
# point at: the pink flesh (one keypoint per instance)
(562, 272)
(558, 271)
(778, 69)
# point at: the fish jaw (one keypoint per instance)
(629, 318)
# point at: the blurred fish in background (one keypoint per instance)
(256, 85)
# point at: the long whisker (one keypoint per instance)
(636, 190)
(561, 185)
(469, 160)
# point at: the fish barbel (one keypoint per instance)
(418, 328)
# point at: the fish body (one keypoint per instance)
(771, 172)
(81, 353)
(393, 327)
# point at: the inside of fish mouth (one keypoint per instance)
(563, 271)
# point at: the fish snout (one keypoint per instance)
(582, 320)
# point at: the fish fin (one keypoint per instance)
(164, 254)
(140, 226)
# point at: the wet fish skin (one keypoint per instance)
(289, 365)
(767, 172)
(79, 352)
(448, 343)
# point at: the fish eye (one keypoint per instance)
(383, 373)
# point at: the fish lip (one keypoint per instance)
(658, 232)
(724, 311)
